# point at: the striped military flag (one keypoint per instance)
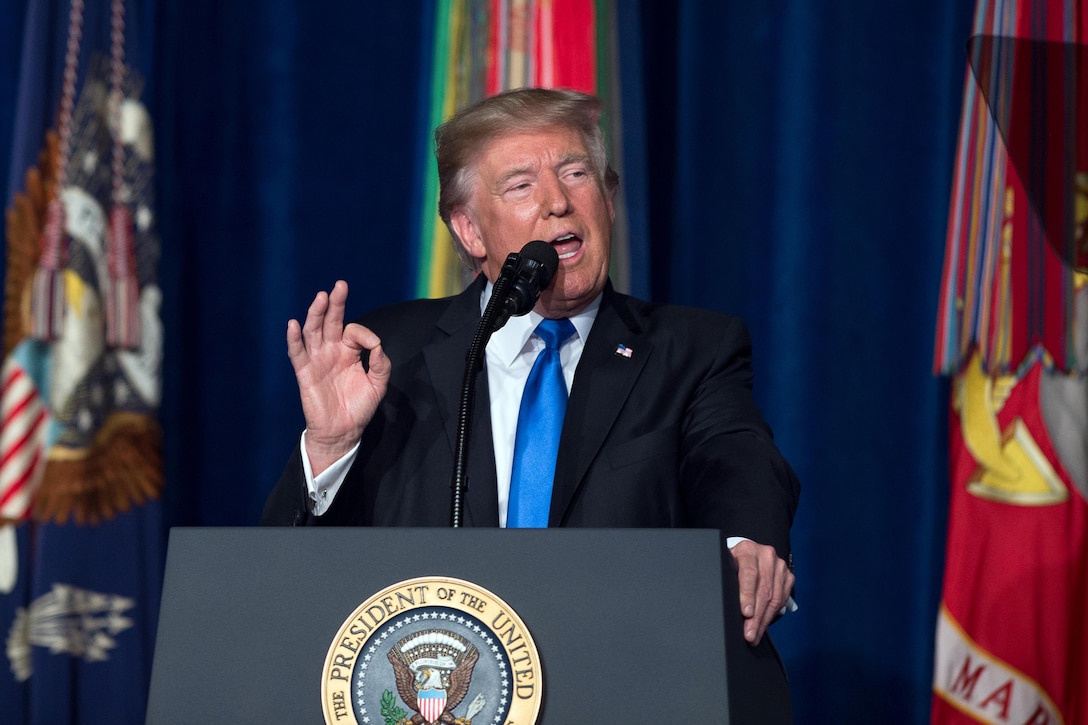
(1012, 638)
(81, 545)
(483, 47)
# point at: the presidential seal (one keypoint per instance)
(432, 650)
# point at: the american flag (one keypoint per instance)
(23, 422)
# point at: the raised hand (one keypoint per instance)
(339, 396)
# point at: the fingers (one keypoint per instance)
(765, 583)
(324, 322)
(780, 588)
(313, 327)
(296, 351)
(325, 317)
(359, 337)
(333, 324)
(378, 366)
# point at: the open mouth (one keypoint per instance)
(567, 245)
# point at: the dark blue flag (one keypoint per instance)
(81, 539)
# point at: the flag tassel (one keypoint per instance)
(47, 301)
(123, 296)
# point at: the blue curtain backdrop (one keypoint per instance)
(800, 164)
(796, 160)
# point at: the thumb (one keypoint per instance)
(380, 367)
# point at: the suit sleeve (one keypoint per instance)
(287, 504)
(734, 477)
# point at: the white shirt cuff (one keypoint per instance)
(323, 487)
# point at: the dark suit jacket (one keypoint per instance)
(668, 437)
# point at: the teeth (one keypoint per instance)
(564, 238)
(566, 256)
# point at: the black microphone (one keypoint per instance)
(536, 266)
(524, 275)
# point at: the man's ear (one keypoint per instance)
(468, 232)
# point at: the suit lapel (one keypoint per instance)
(445, 365)
(602, 384)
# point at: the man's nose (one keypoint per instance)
(554, 198)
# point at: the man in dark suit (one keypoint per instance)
(660, 429)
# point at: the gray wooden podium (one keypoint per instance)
(248, 615)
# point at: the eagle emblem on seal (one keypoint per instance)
(433, 671)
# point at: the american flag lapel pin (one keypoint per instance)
(623, 351)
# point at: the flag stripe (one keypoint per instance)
(20, 485)
(1007, 287)
(22, 435)
(33, 425)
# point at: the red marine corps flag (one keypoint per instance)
(1012, 632)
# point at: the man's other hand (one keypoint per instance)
(765, 584)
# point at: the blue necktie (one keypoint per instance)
(540, 422)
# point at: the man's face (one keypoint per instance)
(541, 185)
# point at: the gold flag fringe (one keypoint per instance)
(122, 469)
(24, 222)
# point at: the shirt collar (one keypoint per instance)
(512, 339)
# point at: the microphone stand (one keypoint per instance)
(494, 317)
